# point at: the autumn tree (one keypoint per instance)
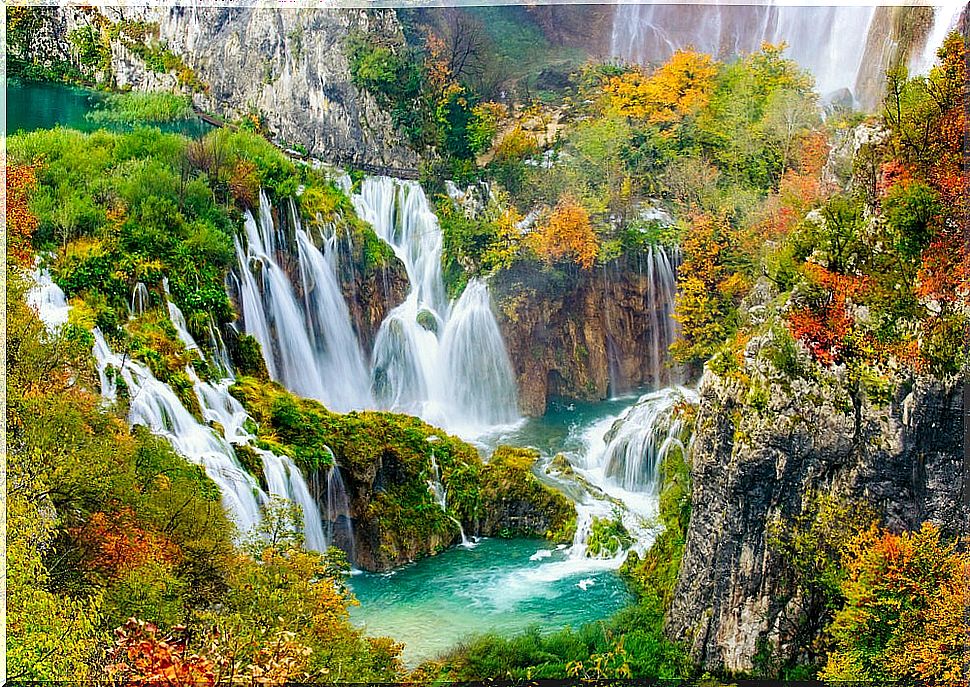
(567, 234)
(679, 88)
(21, 222)
(708, 289)
(904, 616)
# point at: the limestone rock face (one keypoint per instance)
(764, 439)
(289, 66)
(286, 65)
(581, 335)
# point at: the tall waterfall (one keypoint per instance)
(828, 41)
(308, 344)
(445, 362)
(945, 19)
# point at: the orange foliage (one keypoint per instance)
(568, 233)
(679, 88)
(825, 328)
(944, 273)
(905, 613)
(436, 64)
(141, 656)
(116, 544)
(21, 222)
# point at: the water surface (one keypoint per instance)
(35, 105)
(501, 586)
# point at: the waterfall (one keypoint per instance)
(340, 527)
(945, 20)
(156, 406)
(828, 41)
(661, 290)
(437, 489)
(47, 299)
(445, 362)
(641, 437)
(139, 300)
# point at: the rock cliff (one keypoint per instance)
(584, 334)
(773, 428)
(286, 66)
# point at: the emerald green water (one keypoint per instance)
(501, 586)
(39, 105)
(494, 587)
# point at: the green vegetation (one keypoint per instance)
(387, 460)
(508, 483)
(131, 108)
(104, 525)
(87, 59)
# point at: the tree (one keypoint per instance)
(21, 222)
(681, 87)
(567, 234)
(904, 616)
(707, 288)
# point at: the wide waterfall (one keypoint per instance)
(829, 41)
(843, 46)
(445, 362)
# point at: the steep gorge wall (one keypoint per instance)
(286, 65)
(581, 334)
(764, 441)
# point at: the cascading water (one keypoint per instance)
(155, 405)
(445, 362)
(641, 437)
(945, 19)
(437, 489)
(828, 41)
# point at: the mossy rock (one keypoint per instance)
(518, 503)
(428, 321)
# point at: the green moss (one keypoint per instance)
(247, 356)
(607, 536)
(508, 477)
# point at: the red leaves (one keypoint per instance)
(116, 544)
(141, 656)
(826, 327)
(21, 222)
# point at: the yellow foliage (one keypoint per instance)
(567, 233)
(679, 88)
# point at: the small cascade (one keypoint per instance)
(661, 291)
(48, 300)
(638, 441)
(140, 300)
(284, 480)
(437, 489)
(435, 485)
